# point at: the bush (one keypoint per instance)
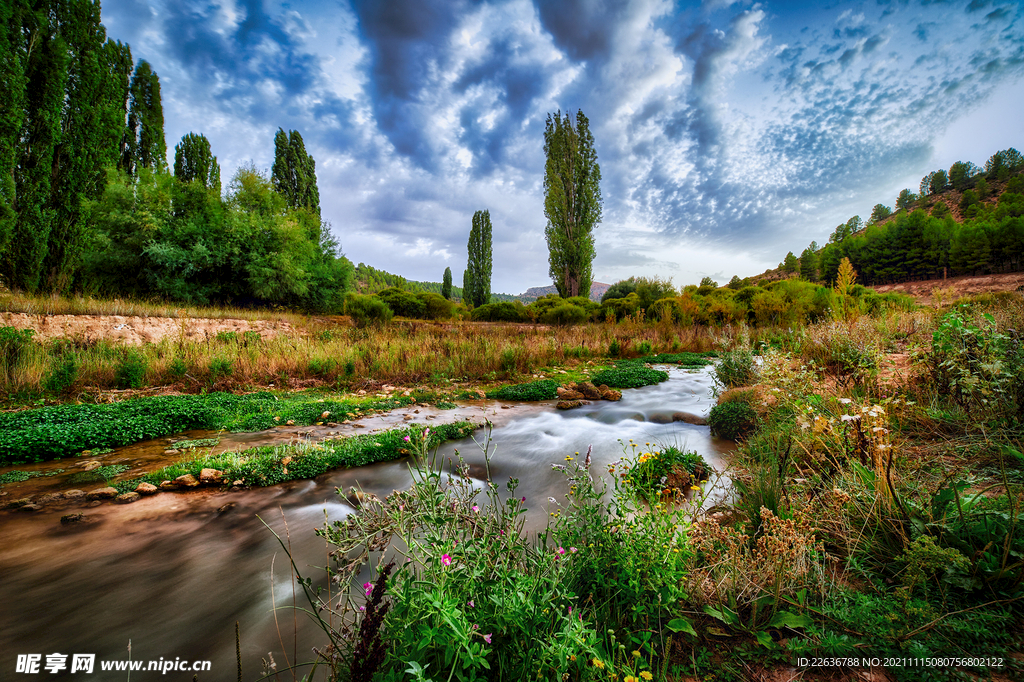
(63, 374)
(436, 306)
(629, 374)
(12, 346)
(545, 389)
(131, 371)
(733, 420)
(403, 303)
(220, 367)
(670, 470)
(367, 310)
(503, 311)
(565, 315)
(736, 369)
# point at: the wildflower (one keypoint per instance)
(475, 508)
(471, 604)
(573, 550)
(487, 638)
(598, 663)
(406, 439)
(646, 674)
(850, 417)
(636, 653)
(630, 678)
(568, 458)
(522, 499)
(369, 588)
(552, 500)
(446, 559)
(560, 550)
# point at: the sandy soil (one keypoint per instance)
(936, 291)
(135, 330)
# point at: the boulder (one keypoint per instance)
(50, 497)
(73, 494)
(146, 488)
(186, 481)
(89, 466)
(103, 493)
(68, 519)
(570, 394)
(610, 393)
(688, 418)
(29, 508)
(589, 391)
(127, 498)
(571, 404)
(168, 485)
(210, 476)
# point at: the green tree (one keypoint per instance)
(879, 212)
(479, 265)
(809, 264)
(144, 145)
(905, 200)
(194, 161)
(294, 172)
(790, 264)
(961, 174)
(572, 202)
(446, 284)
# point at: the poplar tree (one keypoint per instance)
(572, 202)
(294, 172)
(479, 265)
(194, 161)
(446, 284)
(144, 145)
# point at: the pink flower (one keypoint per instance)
(471, 604)
(406, 439)
(573, 550)
(560, 550)
(476, 508)
(369, 588)
(487, 638)
(446, 559)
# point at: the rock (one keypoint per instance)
(29, 508)
(172, 451)
(290, 422)
(660, 419)
(688, 418)
(50, 497)
(211, 476)
(325, 415)
(186, 481)
(68, 519)
(168, 485)
(89, 466)
(588, 390)
(571, 404)
(73, 494)
(127, 498)
(560, 391)
(102, 493)
(238, 482)
(227, 507)
(610, 394)
(146, 488)
(570, 394)
(16, 504)
(332, 425)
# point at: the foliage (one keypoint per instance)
(503, 311)
(145, 147)
(565, 315)
(629, 374)
(63, 374)
(446, 284)
(572, 202)
(669, 471)
(477, 290)
(736, 368)
(131, 370)
(543, 389)
(294, 172)
(367, 310)
(13, 343)
(194, 161)
(733, 420)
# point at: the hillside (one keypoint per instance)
(597, 290)
(370, 280)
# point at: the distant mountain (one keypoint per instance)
(597, 290)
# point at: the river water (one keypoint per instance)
(173, 573)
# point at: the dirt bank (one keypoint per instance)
(135, 330)
(940, 291)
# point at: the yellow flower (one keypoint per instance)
(646, 675)
(630, 678)
(573, 657)
(636, 653)
(598, 663)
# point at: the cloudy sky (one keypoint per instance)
(728, 132)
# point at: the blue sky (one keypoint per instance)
(728, 133)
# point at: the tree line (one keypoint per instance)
(88, 202)
(921, 239)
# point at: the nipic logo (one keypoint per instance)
(55, 663)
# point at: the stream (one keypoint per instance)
(172, 573)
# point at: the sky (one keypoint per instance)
(728, 133)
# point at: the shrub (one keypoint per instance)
(614, 348)
(503, 311)
(668, 470)
(736, 369)
(629, 374)
(565, 315)
(544, 389)
(131, 371)
(403, 303)
(367, 310)
(12, 346)
(436, 306)
(63, 374)
(220, 367)
(733, 420)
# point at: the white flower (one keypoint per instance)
(845, 401)
(850, 417)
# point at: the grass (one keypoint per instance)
(270, 465)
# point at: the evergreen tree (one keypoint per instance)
(572, 202)
(294, 172)
(446, 284)
(467, 286)
(905, 200)
(961, 174)
(790, 264)
(879, 212)
(194, 160)
(479, 266)
(12, 112)
(144, 145)
(809, 264)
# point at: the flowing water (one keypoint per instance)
(173, 573)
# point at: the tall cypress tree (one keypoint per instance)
(479, 265)
(446, 284)
(572, 202)
(294, 172)
(144, 145)
(194, 161)
(12, 113)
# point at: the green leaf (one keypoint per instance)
(787, 619)
(725, 615)
(681, 624)
(764, 639)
